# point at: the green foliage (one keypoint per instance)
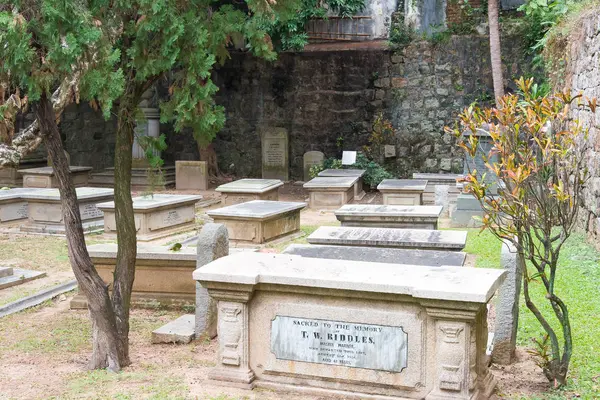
(374, 174)
(400, 35)
(543, 173)
(381, 133)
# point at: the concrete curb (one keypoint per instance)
(38, 298)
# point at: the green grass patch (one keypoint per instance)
(578, 284)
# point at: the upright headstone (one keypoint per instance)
(275, 158)
(213, 243)
(507, 308)
(312, 158)
(191, 175)
(348, 157)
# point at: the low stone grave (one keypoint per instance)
(359, 193)
(468, 212)
(372, 215)
(432, 258)
(45, 210)
(390, 237)
(191, 175)
(162, 276)
(44, 177)
(351, 329)
(244, 190)
(402, 192)
(447, 182)
(10, 276)
(156, 216)
(330, 192)
(13, 208)
(259, 221)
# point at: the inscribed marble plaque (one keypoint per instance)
(368, 346)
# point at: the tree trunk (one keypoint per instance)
(209, 155)
(495, 54)
(106, 348)
(126, 232)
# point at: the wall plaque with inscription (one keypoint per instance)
(379, 347)
(275, 153)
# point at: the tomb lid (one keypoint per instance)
(388, 211)
(343, 172)
(449, 283)
(83, 193)
(389, 237)
(409, 185)
(155, 201)
(144, 252)
(49, 171)
(435, 178)
(343, 182)
(250, 186)
(257, 209)
(432, 258)
(16, 193)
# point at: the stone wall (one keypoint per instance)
(583, 76)
(323, 98)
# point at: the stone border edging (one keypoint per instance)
(37, 298)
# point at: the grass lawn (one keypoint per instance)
(578, 284)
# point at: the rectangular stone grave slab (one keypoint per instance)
(351, 329)
(382, 216)
(433, 258)
(359, 193)
(402, 192)
(191, 175)
(244, 190)
(259, 221)
(13, 208)
(10, 277)
(44, 177)
(180, 331)
(156, 216)
(45, 210)
(162, 276)
(330, 192)
(433, 180)
(389, 237)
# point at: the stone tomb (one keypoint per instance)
(402, 192)
(44, 177)
(389, 237)
(45, 210)
(259, 221)
(372, 215)
(191, 175)
(10, 276)
(310, 159)
(244, 190)
(162, 276)
(447, 182)
(156, 216)
(351, 329)
(359, 193)
(432, 258)
(330, 192)
(275, 155)
(13, 208)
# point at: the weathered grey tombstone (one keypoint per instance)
(275, 157)
(213, 243)
(312, 158)
(507, 307)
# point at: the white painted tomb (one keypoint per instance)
(156, 216)
(45, 210)
(382, 216)
(351, 329)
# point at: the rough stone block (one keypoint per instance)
(180, 331)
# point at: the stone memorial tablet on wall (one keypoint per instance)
(275, 157)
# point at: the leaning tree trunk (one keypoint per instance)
(495, 54)
(126, 232)
(106, 345)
